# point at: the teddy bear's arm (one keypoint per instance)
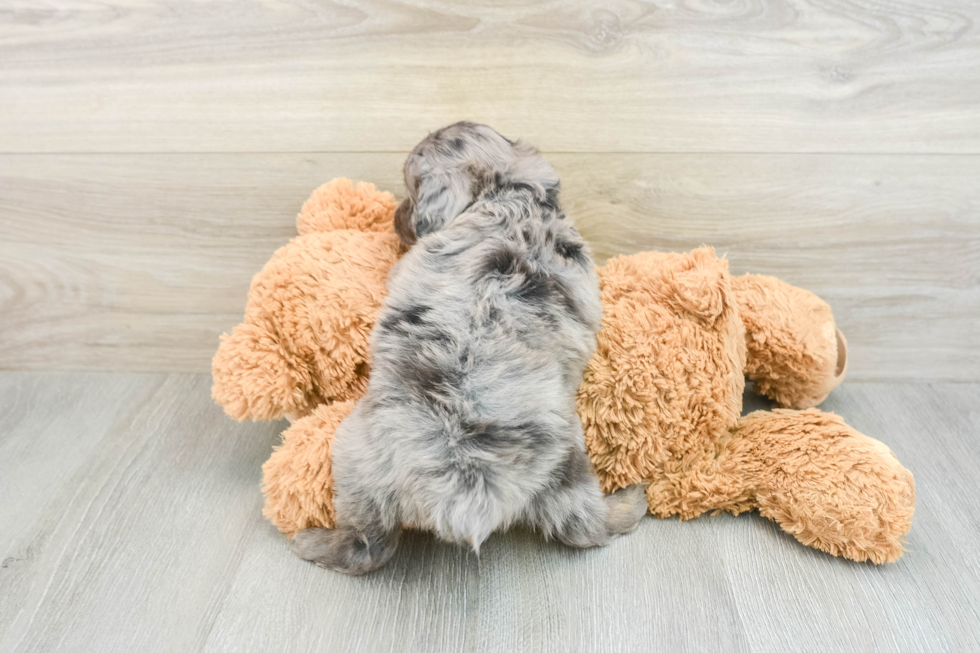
(795, 353)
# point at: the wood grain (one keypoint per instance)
(578, 76)
(138, 262)
(153, 155)
(129, 510)
(131, 521)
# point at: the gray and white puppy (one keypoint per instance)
(469, 422)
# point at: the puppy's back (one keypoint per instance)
(477, 356)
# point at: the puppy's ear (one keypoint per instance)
(441, 197)
(403, 222)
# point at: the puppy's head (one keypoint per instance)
(446, 172)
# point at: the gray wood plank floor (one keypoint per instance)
(130, 521)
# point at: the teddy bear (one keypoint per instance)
(660, 401)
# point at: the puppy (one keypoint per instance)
(469, 422)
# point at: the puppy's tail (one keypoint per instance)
(469, 513)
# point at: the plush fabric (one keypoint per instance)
(660, 401)
(342, 204)
(310, 311)
(296, 479)
(666, 379)
(828, 485)
(796, 354)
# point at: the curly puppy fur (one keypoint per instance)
(469, 422)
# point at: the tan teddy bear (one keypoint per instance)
(660, 402)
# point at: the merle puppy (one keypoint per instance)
(469, 421)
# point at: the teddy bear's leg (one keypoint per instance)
(698, 483)
(299, 499)
(576, 513)
(297, 480)
(796, 354)
(828, 485)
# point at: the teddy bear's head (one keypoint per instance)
(304, 340)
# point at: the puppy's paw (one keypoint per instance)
(314, 544)
(345, 549)
(626, 508)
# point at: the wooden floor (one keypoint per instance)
(154, 153)
(131, 521)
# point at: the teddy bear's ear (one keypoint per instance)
(255, 378)
(342, 204)
(701, 285)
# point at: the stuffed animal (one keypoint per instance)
(660, 401)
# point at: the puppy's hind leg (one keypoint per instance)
(348, 549)
(626, 508)
(575, 512)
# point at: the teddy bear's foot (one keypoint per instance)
(296, 480)
(795, 353)
(828, 485)
(840, 368)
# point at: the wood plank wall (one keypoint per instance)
(154, 154)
